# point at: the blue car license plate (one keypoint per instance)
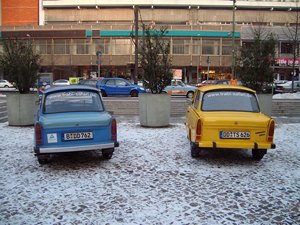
(235, 135)
(78, 136)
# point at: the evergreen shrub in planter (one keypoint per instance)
(20, 65)
(155, 106)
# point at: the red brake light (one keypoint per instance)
(38, 133)
(114, 129)
(199, 130)
(271, 131)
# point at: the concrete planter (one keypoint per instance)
(265, 103)
(21, 109)
(154, 110)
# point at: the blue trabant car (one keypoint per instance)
(178, 88)
(73, 118)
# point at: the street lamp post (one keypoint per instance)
(233, 31)
(208, 64)
(99, 53)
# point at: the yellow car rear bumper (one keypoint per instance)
(252, 145)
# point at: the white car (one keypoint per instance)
(287, 87)
(5, 84)
(61, 82)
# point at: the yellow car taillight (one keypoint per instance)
(199, 130)
(271, 131)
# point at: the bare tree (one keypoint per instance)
(256, 58)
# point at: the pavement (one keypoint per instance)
(151, 179)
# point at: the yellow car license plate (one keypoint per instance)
(235, 135)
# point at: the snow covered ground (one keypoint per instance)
(287, 96)
(151, 179)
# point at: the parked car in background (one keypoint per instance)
(287, 87)
(228, 82)
(6, 84)
(211, 82)
(206, 82)
(228, 116)
(61, 82)
(119, 86)
(178, 88)
(89, 82)
(73, 118)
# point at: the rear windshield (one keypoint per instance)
(72, 101)
(230, 100)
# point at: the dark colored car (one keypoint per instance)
(119, 86)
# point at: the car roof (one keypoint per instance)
(225, 87)
(70, 88)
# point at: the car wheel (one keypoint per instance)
(258, 154)
(107, 153)
(134, 93)
(190, 94)
(43, 159)
(5, 86)
(103, 93)
(195, 150)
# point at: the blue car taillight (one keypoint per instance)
(114, 129)
(38, 134)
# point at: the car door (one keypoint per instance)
(123, 87)
(192, 116)
(110, 87)
(176, 88)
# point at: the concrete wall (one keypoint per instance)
(286, 107)
(165, 15)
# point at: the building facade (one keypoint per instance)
(68, 34)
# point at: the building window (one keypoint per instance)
(82, 46)
(286, 48)
(102, 45)
(43, 47)
(226, 47)
(121, 46)
(196, 46)
(61, 46)
(181, 46)
(211, 47)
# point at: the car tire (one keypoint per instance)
(195, 150)
(5, 86)
(258, 154)
(134, 93)
(107, 153)
(43, 159)
(103, 93)
(190, 95)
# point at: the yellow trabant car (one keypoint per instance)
(228, 116)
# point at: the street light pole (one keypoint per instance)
(208, 63)
(136, 37)
(233, 32)
(99, 53)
